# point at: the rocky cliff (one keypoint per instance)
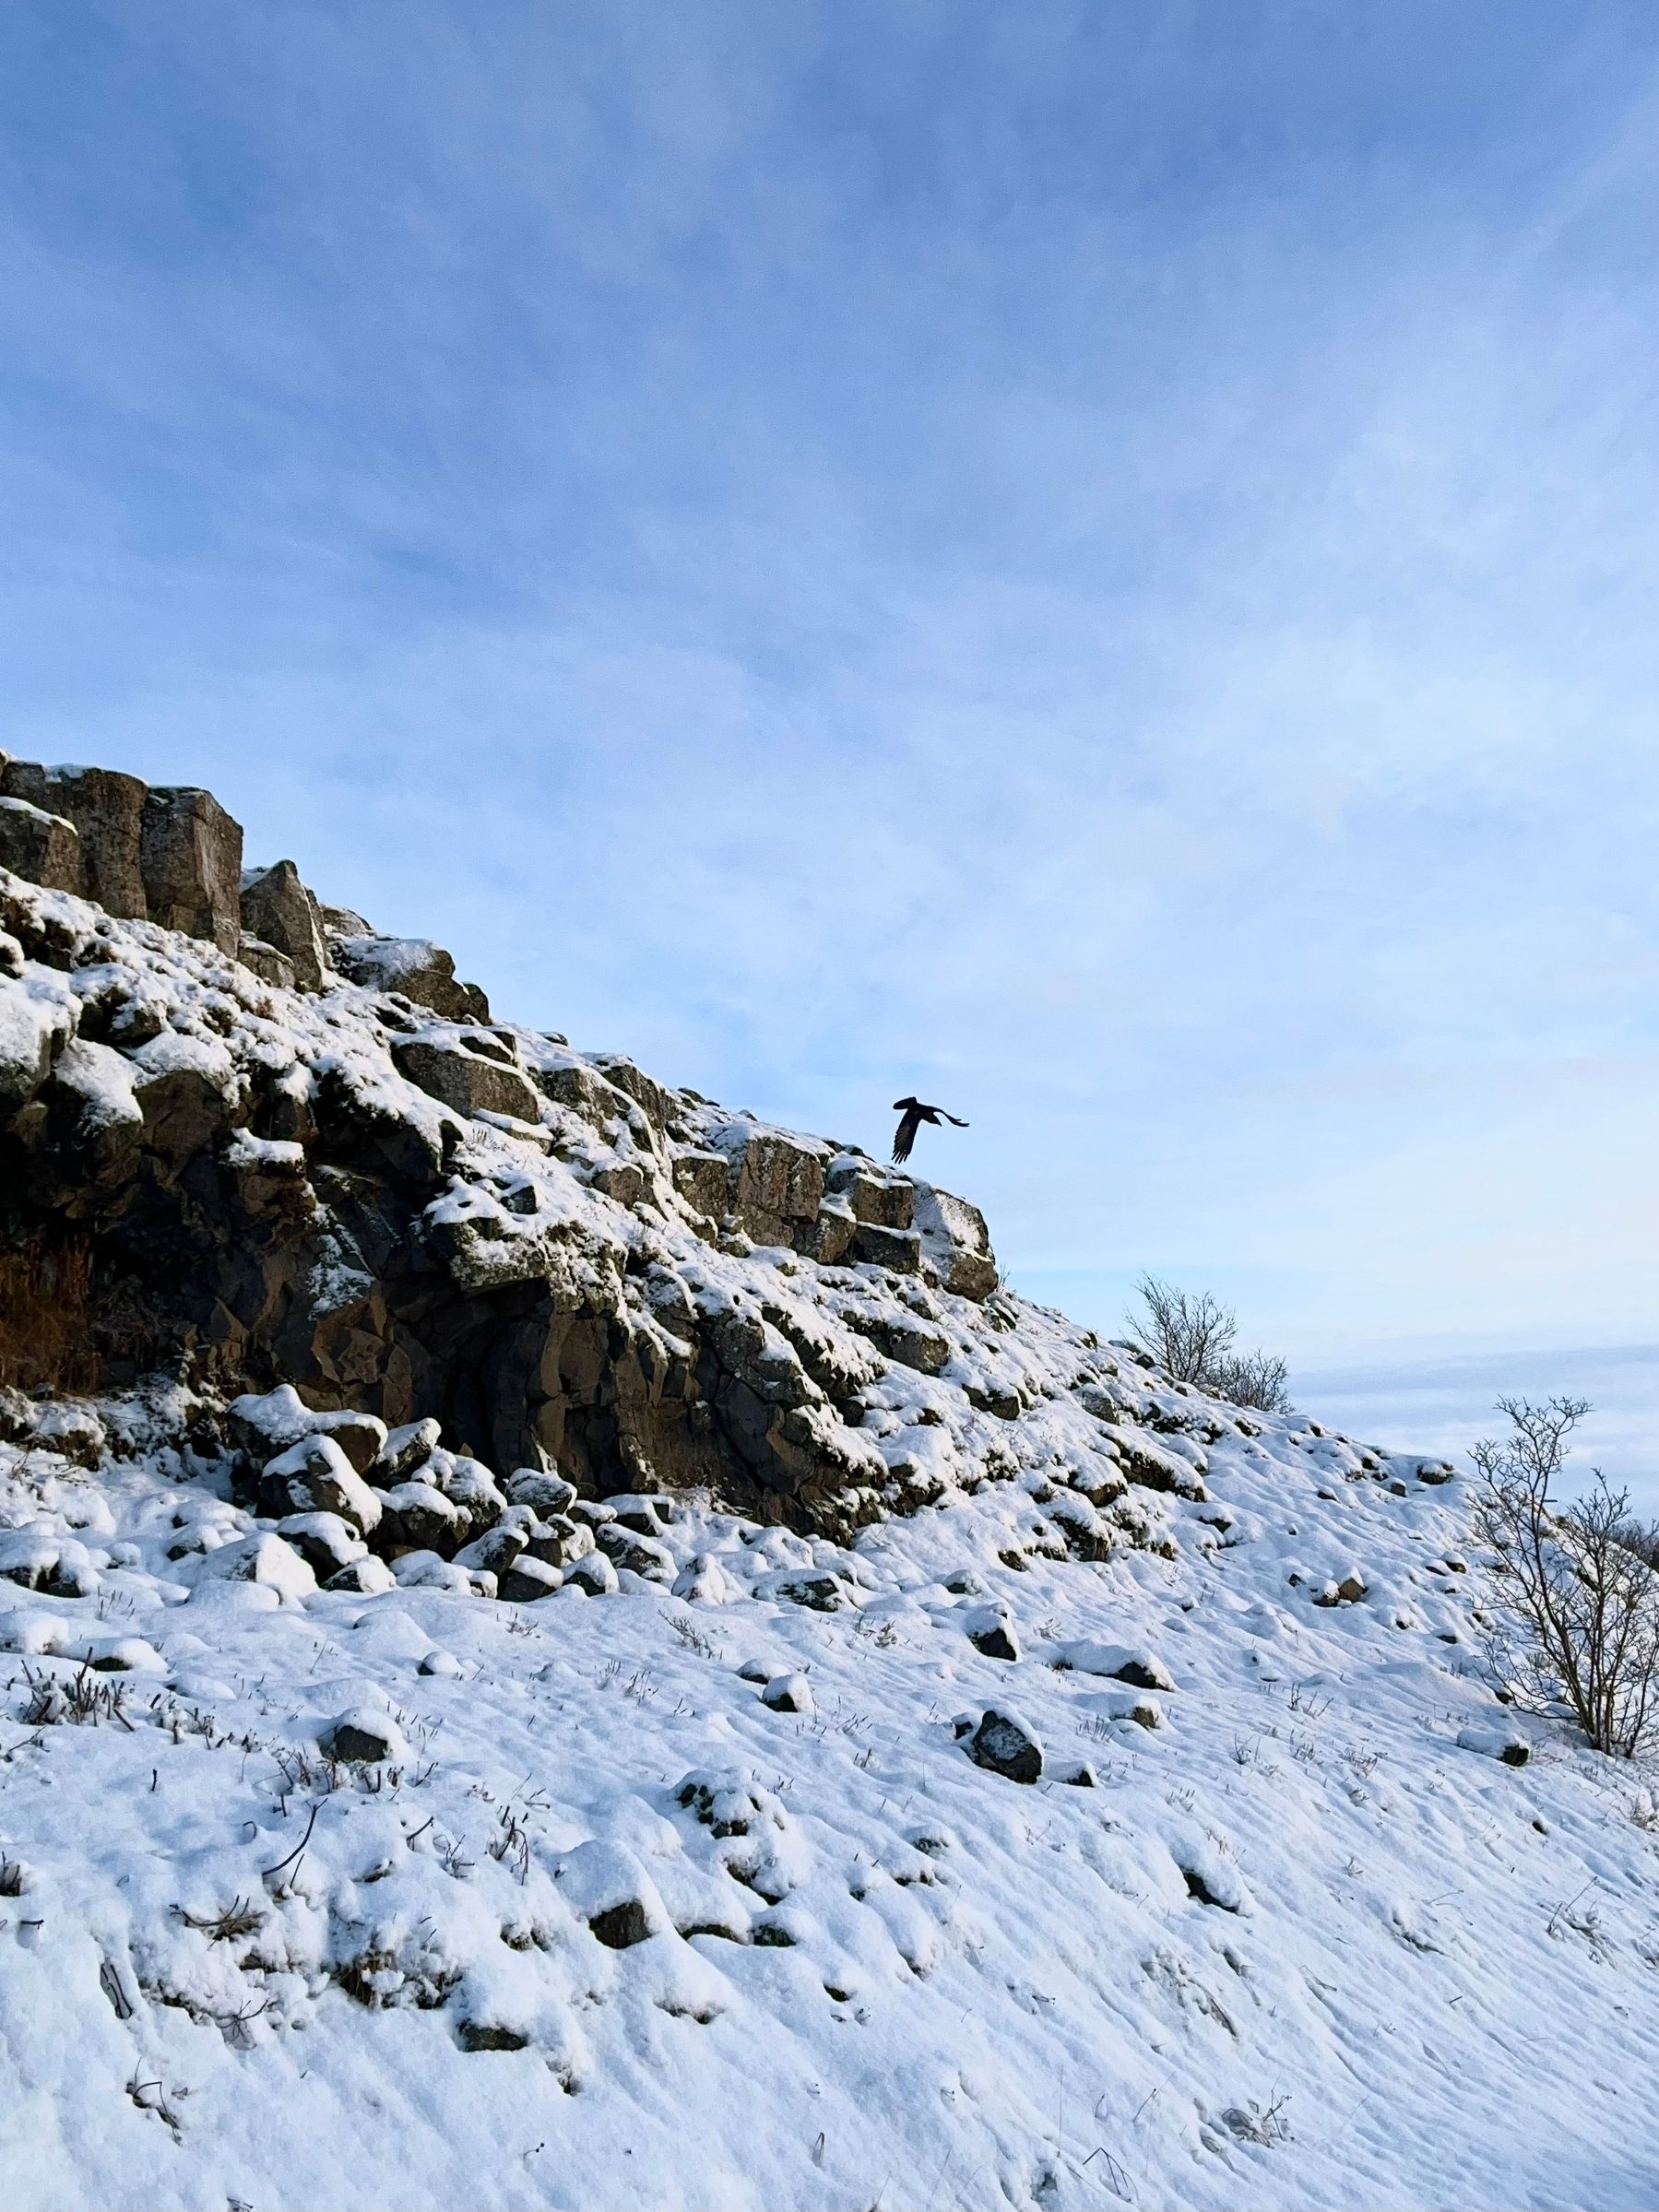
(249, 1142)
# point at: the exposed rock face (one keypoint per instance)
(42, 847)
(190, 851)
(107, 810)
(473, 1081)
(776, 1184)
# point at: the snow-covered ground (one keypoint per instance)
(1269, 1935)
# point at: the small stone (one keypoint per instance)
(364, 1735)
(788, 1694)
(559, 1542)
(367, 1578)
(403, 1451)
(264, 1559)
(545, 1494)
(595, 1575)
(426, 1570)
(1117, 1662)
(608, 1888)
(418, 1516)
(1004, 1745)
(483, 2035)
(820, 1593)
(325, 1541)
(991, 1633)
(645, 1512)
(1501, 1743)
(495, 1550)
(639, 1555)
(704, 1581)
(526, 1579)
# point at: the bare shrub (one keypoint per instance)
(1191, 1338)
(1584, 1631)
(1256, 1378)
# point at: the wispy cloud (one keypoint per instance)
(1101, 570)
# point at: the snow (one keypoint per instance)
(1309, 1942)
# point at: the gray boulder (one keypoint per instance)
(544, 1493)
(264, 961)
(422, 970)
(417, 1516)
(526, 1581)
(43, 849)
(956, 1243)
(34, 1029)
(871, 1193)
(594, 1574)
(315, 1476)
(497, 1548)
(472, 1083)
(325, 1541)
(278, 909)
(898, 1250)
(364, 1577)
(404, 1450)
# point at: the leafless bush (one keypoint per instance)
(1583, 1630)
(1191, 1338)
(1255, 1378)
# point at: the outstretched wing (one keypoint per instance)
(908, 1128)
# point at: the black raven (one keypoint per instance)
(913, 1114)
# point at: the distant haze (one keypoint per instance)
(1095, 564)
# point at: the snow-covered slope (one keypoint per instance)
(1269, 1935)
(935, 1761)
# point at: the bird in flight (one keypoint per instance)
(912, 1115)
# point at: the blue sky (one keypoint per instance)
(1096, 562)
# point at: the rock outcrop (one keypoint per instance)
(518, 1259)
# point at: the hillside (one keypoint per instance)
(567, 1647)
